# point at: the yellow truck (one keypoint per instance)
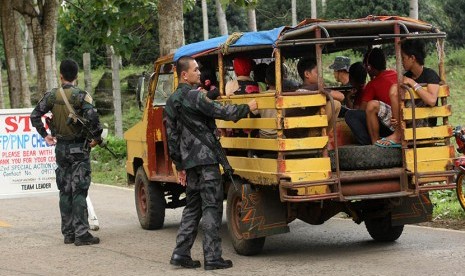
(310, 177)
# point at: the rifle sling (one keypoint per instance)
(65, 99)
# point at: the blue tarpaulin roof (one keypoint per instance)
(247, 39)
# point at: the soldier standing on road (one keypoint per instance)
(73, 143)
(197, 164)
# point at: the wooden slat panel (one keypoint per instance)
(443, 92)
(264, 100)
(267, 100)
(430, 159)
(306, 121)
(429, 132)
(427, 112)
(271, 123)
(274, 144)
(264, 171)
(250, 123)
(301, 101)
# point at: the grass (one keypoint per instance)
(446, 205)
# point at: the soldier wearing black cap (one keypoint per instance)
(341, 67)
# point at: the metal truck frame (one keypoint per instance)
(312, 177)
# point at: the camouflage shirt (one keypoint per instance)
(82, 104)
(185, 149)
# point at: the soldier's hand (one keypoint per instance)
(93, 143)
(252, 105)
(182, 177)
(50, 140)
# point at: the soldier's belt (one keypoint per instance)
(76, 148)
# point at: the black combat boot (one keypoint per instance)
(184, 261)
(69, 239)
(218, 264)
(86, 239)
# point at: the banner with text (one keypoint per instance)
(27, 163)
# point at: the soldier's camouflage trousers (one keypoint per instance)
(204, 196)
(73, 181)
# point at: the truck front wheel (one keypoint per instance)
(150, 202)
(242, 246)
(380, 229)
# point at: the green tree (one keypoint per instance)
(87, 26)
(361, 8)
(455, 29)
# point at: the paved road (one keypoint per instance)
(31, 244)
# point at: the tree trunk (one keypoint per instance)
(117, 96)
(414, 9)
(252, 21)
(294, 12)
(87, 72)
(170, 25)
(31, 59)
(2, 97)
(313, 8)
(42, 15)
(25, 93)
(205, 19)
(10, 32)
(323, 6)
(221, 16)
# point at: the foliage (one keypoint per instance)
(94, 24)
(362, 8)
(193, 32)
(274, 13)
(106, 168)
(456, 31)
(446, 205)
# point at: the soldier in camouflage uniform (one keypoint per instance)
(197, 164)
(72, 150)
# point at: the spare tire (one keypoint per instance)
(366, 158)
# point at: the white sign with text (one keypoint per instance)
(27, 163)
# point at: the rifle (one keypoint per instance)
(86, 128)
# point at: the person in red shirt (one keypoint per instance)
(413, 59)
(373, 118)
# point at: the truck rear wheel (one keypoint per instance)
(150, 202)
(380, 229)
(242, 246)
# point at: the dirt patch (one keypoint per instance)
(446, 223)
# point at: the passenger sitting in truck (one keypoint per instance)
(209, 83)
(307, 70)
(259, 71)
(372, 120)
(341, 66)
(413, 60)
(270, 79)
(243, 84)
(357, 79)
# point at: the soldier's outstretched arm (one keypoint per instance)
(229, 112)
